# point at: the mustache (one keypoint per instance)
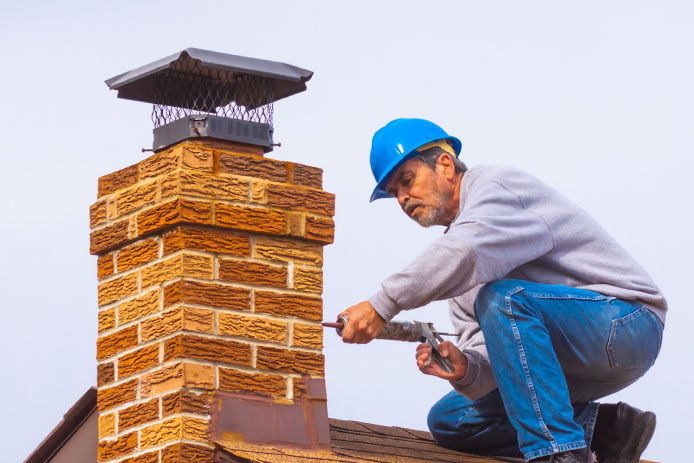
(409, 205)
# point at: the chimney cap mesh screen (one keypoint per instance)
(189, 88)
(196, 81)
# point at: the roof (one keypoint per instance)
(139, 84)
(355, 442)
(351, 442)
(68, 426)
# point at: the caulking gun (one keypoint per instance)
(409, 331)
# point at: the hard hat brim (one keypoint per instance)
(380, 192)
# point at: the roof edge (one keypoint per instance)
(71, 421)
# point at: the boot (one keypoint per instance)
(622, 433)
(583, 455)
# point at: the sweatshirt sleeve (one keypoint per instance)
(492, 235)
(479, 379)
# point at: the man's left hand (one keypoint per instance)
(363, 323)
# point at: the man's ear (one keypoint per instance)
(445, 163)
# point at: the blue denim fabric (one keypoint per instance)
(554, 350)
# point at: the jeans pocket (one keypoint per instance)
(635, 340)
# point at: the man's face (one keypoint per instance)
(421, 191)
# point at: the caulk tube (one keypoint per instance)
(393, 331)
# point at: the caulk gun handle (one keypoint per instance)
(443, 362)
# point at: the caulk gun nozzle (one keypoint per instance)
(332, 325)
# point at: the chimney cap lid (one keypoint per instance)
(138, 84)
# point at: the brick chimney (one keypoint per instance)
(210, 279)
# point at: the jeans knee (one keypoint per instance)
(437, 425)
(492, 296)
(444, 416)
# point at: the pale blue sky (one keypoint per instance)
(593, 97)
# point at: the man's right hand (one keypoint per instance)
(447, 350)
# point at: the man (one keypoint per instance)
(552, 313)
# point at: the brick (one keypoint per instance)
(162, 380)
(289, 305)
(211, 349)
(320, 229)
(185, 452)
(177, 428)
(161, 433)
(185, 401)
(107, 425)
(107, 319)
(301, 198)
(137, 254)
(118, 288)
(98, 213)
(136, 198)
(137, 361)
(169, 185)
(150, 457)
(210, 186)
(289, 361)
(182, 265)
(117, 180)
(308, 279)
(112, 397)
(138, 414)
(160, 163)
(110, 449)
(114, 343)
(307, 176)
(139, 307)
(226, 146)
(109, 237)
(252, 166)
(105, 374)
(307, 336)
(132, 226)
(307, 387)
(176, 376)
(197, 158)
(175, 212)
(210, 294)
(207, 239)
(288, 250)
(250, 219)
(258, 193)
(104, 266)
(178, 319)
(253, 273)
(239, 381)
(257, 328)
(295, 224)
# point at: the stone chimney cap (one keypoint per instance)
(139, 84)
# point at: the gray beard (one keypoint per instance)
(431, 214)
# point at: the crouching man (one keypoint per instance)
(552, 313)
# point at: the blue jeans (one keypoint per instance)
(553, 350)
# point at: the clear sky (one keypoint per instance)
(593, 97)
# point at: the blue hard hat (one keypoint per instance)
(396, 142)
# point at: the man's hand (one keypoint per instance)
(363, 323)
(447, 350)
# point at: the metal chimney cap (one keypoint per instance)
(139, 84)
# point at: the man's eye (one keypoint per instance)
(407, 181)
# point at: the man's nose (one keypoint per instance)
(403, 197)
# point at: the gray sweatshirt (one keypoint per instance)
(511, 225)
